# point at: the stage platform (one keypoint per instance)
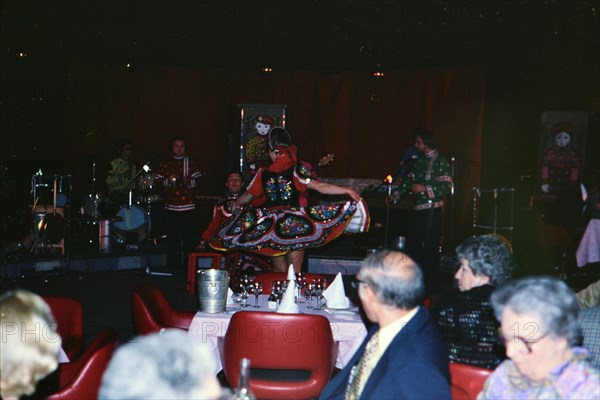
(82, 257)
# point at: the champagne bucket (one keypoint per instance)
(212, 285)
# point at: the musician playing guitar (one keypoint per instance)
(120, 177)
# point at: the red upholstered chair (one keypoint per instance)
(80, 379)
(291, 356)
(267, 277)
(467, 381)
(68, 315)
(152, 312)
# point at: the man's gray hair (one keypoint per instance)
(166, 365)
(549, 299)
(395, 278)
(488, 255)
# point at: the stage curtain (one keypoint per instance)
(367, 122)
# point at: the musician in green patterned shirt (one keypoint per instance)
(428, 183)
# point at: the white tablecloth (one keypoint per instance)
(588, 251)
(348, 330)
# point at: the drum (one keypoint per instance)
(105, 236)
(149, 198)
(360, 220)
(146, 181)
(64, 184)
(90, 206)
(132, 228)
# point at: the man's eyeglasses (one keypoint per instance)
(524, 344)
(356, 282)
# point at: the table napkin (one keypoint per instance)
(335, 294)
(288, 304)
(291, 274)
(230, 300)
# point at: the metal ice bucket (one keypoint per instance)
(212, 285)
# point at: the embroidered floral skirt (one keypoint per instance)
(279, 230)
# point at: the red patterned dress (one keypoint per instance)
(282, 225)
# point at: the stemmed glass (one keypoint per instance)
(300, 283)
(245, 282)
(320, 286)
(277, 290)
(257, 289)
(310, 291)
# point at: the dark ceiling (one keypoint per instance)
(300, 35)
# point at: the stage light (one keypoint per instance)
(22, 54)
(378, 72)
(267, 69)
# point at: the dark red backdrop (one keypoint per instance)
(365, 121)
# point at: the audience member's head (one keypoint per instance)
(484, 260)
(166, 365)
(30, 343)
(390, 279)
(539, 325)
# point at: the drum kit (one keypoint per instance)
(129, 226)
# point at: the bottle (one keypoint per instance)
(243, 391)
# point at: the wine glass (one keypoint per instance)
(310, 291)
(318, 291)
(300, 283)
(245, 282)
(257, 289)
(279, 291)
(244, 302)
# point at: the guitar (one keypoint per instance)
(325, 160)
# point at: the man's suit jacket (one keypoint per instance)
(414, 366)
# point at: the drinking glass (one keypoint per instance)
(310, 291)
(257, 289)
(244, 296)
(300, 283)
(318, 292)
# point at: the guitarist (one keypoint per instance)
(120, 176)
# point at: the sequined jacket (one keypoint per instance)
(469, 327)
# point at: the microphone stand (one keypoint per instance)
(387, 215)
(148, 209)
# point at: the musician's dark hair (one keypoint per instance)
(427, 136)
(178, 138)
(121, 145)
(234, 172)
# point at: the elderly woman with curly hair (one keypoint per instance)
(30, 344)
(465, 317)
(539, 327)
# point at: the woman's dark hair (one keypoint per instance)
(279, 137)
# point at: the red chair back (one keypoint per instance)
(68, 315)
(152, 312)
(266, 278)
(281, 342)
(80, 379)
(467, 381)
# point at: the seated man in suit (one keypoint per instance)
(403, 356)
